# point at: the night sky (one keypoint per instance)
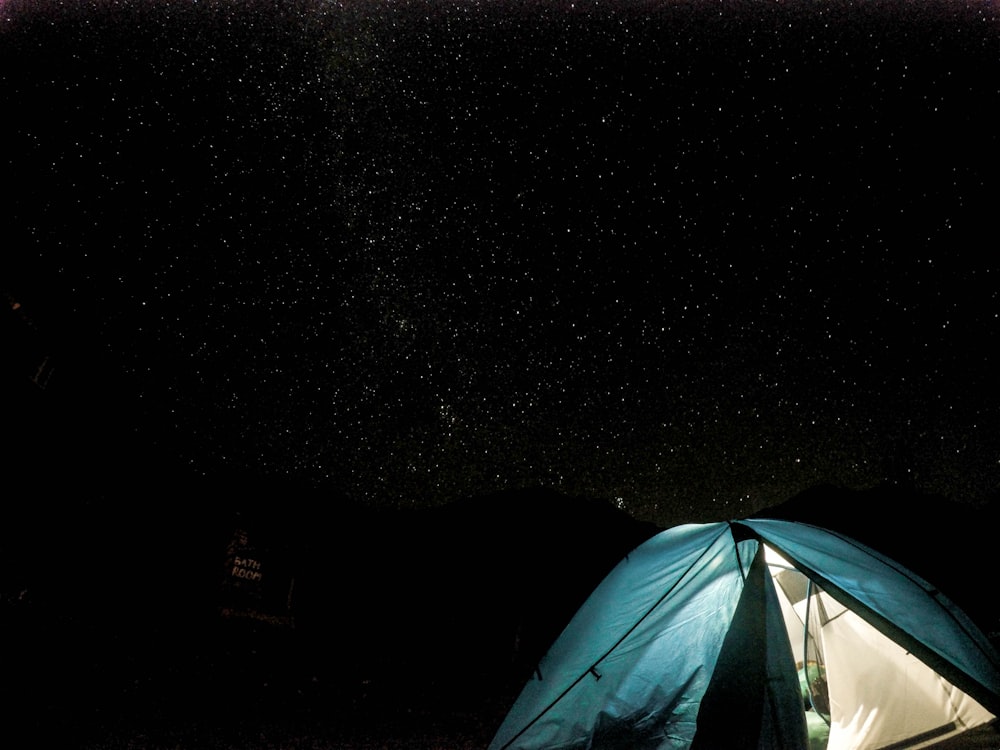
(692, 257)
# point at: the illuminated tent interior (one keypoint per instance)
(758, 634)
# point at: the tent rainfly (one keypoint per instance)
(758, 634)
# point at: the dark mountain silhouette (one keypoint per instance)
(124, 599)
(481, 585)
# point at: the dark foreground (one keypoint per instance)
(412, 631)
(249, 686)
(246, 687)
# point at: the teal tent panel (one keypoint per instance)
(630, 668)
(924, 619)
(783, 726)
(753, 700)
(672, 631)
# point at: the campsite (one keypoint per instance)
(416, 630)
(500, 374)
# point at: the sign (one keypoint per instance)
(256, 583)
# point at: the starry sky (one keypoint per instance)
(693, 257)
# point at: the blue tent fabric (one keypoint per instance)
(898, 600)
(753, 699)
(607, 668)
(682, 645)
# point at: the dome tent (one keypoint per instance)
(697, 637)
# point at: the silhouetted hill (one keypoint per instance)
(483, 584)
(121, 600)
